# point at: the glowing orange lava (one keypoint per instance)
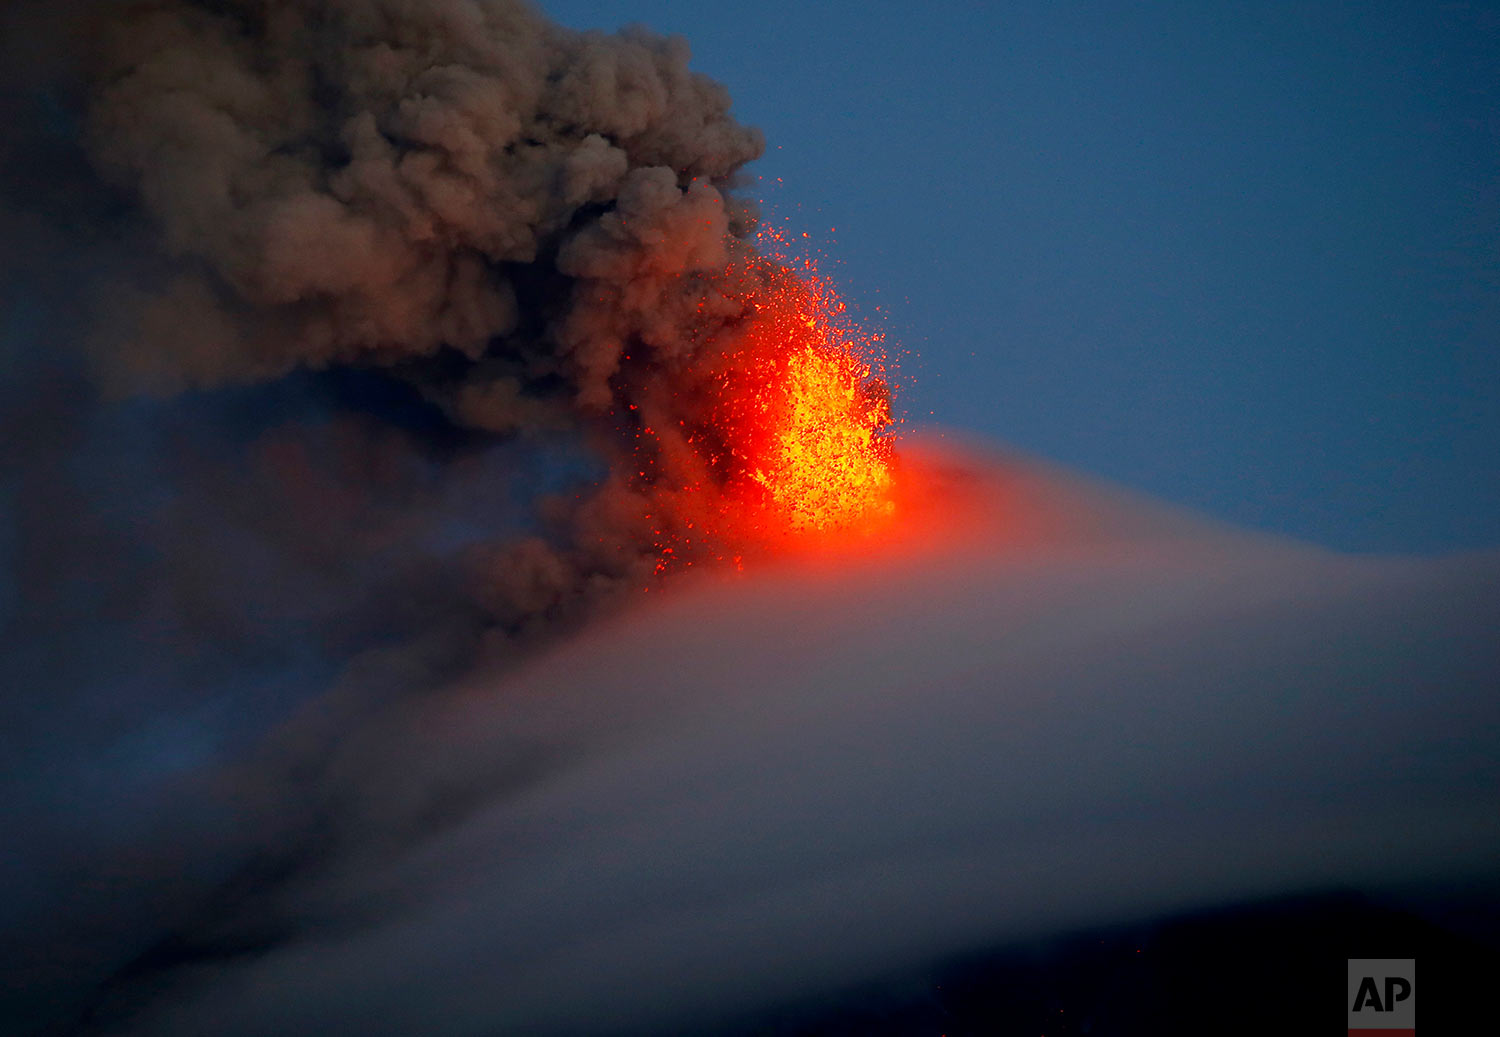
(826, 467)
(781, 436)
(817, 437)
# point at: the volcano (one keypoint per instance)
(1050, 705)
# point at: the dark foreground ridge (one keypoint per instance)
(1269, 967)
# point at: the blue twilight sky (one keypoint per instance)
(1242, 256)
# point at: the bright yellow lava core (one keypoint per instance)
(824, 466)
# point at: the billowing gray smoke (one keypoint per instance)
(524, 223)
(306, 305)
(383, 182)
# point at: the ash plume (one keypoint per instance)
(527, 225)
(329, 329)
(382, 183)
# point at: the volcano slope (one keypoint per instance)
(1037, 706)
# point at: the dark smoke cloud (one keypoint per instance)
(526, 224)
(381, 181)
(318, 324)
